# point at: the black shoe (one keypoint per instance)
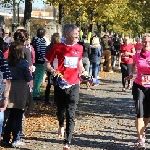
(5, 144)
(37, 98)
(47, 103)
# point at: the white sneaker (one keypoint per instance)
(18, 143)
(98, 77)
(111, 71)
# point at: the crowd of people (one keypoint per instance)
(24, 62)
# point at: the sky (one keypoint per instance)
(38, 4)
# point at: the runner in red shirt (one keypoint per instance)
(138, 45)
(127, 51)
(69, 57)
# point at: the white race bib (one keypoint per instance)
(71, 62)
(145, 79)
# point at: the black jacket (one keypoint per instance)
(86, 49)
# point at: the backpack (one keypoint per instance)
(116, 43)
(106, 44)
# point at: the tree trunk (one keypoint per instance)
(27, 14)
(14, 12)
(61, 14)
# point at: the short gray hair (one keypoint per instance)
(68, 28)
(145, 35)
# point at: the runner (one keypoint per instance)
(69, 55)
(127, 51)
(138, 45)
(141, 89)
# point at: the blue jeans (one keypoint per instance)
(94, 69)
(1, 121)
(38, 77)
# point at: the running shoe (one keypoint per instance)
(94, 81)
(141, 144)
(123, 89)
(18, 143)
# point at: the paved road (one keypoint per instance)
(104, 121)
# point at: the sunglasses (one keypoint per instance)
(6, 33)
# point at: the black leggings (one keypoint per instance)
(141, 96)
(66, 101)
(125, 70)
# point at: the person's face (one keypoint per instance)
(74, 36)
(126, 40)
(146, 43)
(6, 33)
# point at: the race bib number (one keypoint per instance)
(71, 62)
(125, 56)
(145, 79)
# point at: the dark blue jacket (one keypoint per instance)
(21, 71)
(95, 54)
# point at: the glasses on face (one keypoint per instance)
(6, 33)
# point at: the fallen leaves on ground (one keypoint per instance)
(40, 119)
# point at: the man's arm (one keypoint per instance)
(49, 68)
(81, 68)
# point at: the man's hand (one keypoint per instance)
(54, 73)
(84, 73)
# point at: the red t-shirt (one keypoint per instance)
(138, 46)
(68, 60)
(126, 48)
